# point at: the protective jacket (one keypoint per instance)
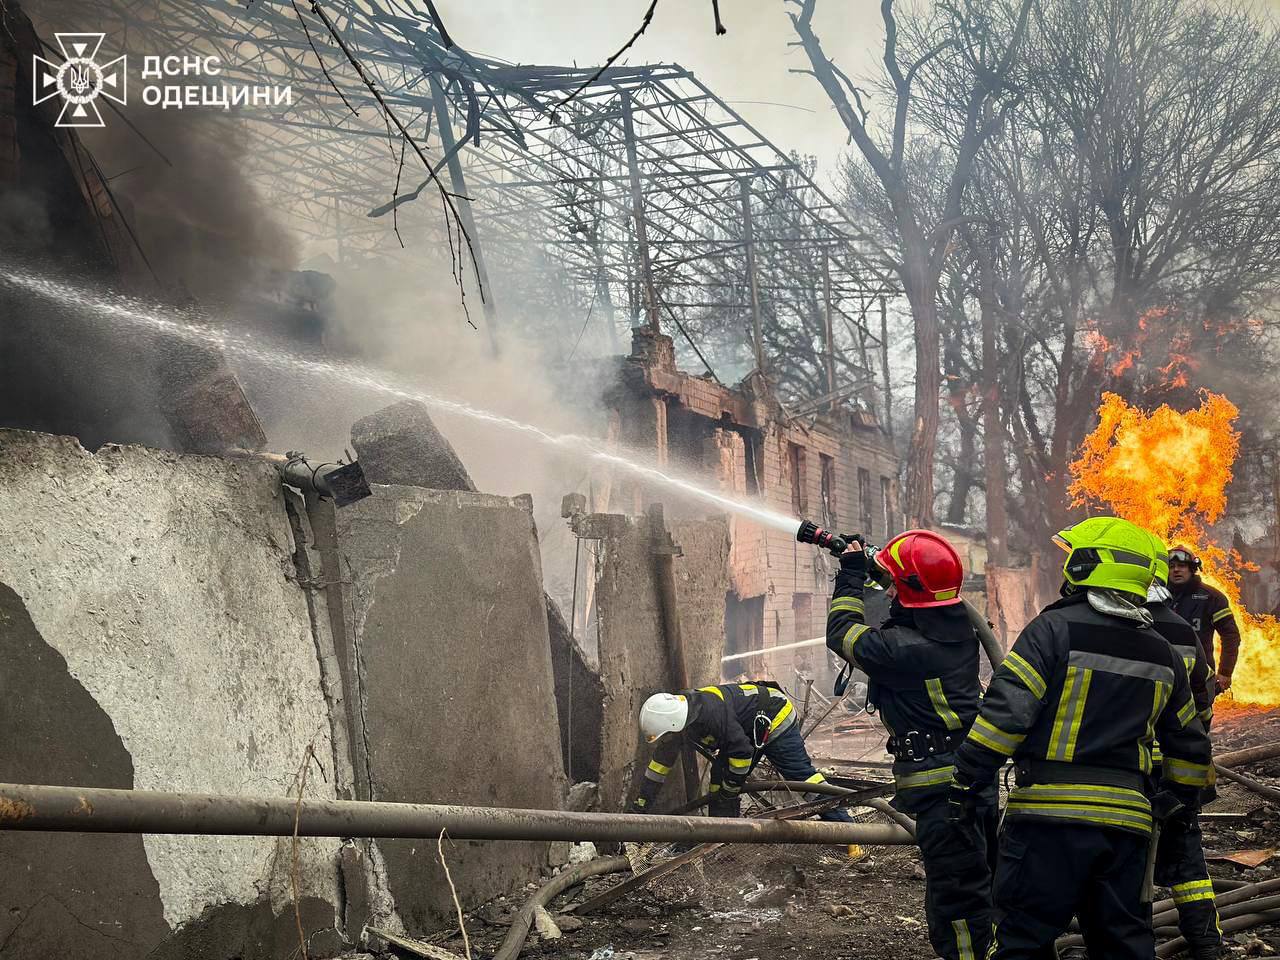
(1207, 609)
(730, 724)
(1077, 704)
(1182, 637)
(922, 670)
(1180, 863)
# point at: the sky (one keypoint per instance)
(748, 66)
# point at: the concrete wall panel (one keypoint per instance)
(92, 897)
(163, 581)
(634, 658)
(450, 628)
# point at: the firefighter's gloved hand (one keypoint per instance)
(725, 807)
(854, 560)
(962, 800)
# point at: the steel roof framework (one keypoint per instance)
(550, 190)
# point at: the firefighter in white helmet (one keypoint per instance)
(733, 725)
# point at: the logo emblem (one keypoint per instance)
(79, 79)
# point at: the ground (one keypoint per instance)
(781, 902)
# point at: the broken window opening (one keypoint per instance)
(743, 632)
(796, 474)
(864, 501)
(754, 486)
(828, 491)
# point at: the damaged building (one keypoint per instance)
(184, 610)
(835, 465)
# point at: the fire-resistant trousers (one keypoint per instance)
(1180, 866)
(789, 757)
(1050, 871)
(957, 867)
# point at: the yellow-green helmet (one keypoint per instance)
(1162, 558)
(1110, 554)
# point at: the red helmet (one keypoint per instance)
(1181, 554)
(925, 568)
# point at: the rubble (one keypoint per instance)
(400, 445)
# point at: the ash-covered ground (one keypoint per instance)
(780, 902)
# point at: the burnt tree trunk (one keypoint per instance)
(993, 455)
(920, 286)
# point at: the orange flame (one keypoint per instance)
(1168, 472)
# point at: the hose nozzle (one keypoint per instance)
(810, 532)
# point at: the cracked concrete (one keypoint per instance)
(163, 583)
(169, 624)
(450, 625)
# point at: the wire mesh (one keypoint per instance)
(760, 878)
(1234, 799)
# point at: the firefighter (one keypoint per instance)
(733, 725)
(922, 669)
(1075, 704)
(1180, 863)
(1207, 609)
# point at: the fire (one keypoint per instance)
(1103, 350)
(1168, 472)
(1151, 340)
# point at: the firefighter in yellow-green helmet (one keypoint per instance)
(1180, 863)
(1076, 704)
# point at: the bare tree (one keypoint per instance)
(968, 40)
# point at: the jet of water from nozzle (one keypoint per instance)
(159, 321)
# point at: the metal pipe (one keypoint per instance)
(562, 881)
(343, 483)
(897, 816)
(100, 810)
(1174, 947)
(1236, 758)
(1261, 789)
(1248, 898)
(1225, 910)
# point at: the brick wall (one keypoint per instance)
(763, 561)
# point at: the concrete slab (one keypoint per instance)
(458, 695)
(634, 659)
(165, 583)
(400, 444)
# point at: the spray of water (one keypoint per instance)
(158, 321)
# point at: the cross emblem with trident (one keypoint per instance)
(79, 79)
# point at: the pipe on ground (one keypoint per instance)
(1261, 789)
(1242, 899)
(1174, 947)
(562, 881)
(1236, 758)
(100, 810)
(1166, 909)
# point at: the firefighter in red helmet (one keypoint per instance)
(922, 667)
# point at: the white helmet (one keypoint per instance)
(663, 713)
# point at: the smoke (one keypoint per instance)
(407, 318)
(201, 223)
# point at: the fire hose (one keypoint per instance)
(1246, 901)
(562, 881)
